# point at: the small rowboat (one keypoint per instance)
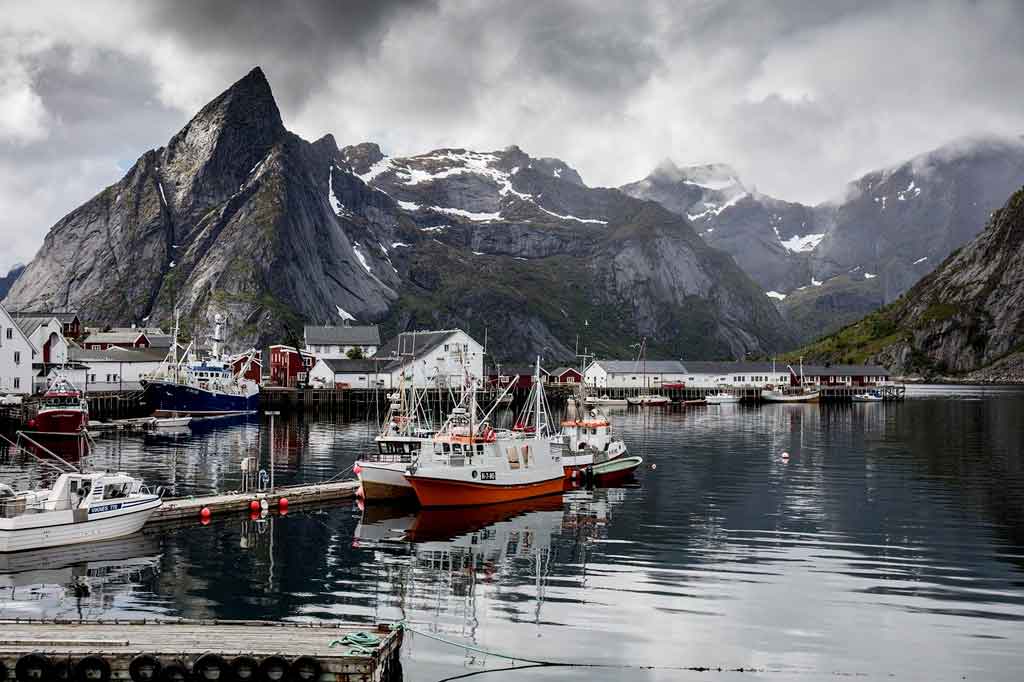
(615, 469)
(171, 422)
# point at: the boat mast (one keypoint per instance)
(537, 390)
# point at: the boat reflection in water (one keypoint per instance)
(445, 570)
(77, 581)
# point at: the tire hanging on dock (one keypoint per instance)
(62, 670)
(174, 672)
(274, 669)
(92, 669)
(33, 667)
(210, 668)
(306, 669)
(144, 668)
(245, 669)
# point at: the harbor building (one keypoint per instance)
(46, 334)
(345, 373)
(634, 373)
(16, 357)
(339, 342)
(710, 374)
(115, 369)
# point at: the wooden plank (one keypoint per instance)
(297, 496)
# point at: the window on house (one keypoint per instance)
(446, 347)
(92, 378)
(17, 357)
(17, 382)
(10, 333)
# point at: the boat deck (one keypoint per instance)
(118, 642)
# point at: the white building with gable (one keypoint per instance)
(16, 356)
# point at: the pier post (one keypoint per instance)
(272, 415)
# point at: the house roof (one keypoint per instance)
(114, 337)
(77, 354)
(157, 337)
(366, 335)
(346, 366)
(29, 324)
(517, 370)
(640, 366)
(559, 371)
(413, 343)
(63, 316)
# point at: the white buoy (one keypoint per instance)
(785, 456)
(654, 466)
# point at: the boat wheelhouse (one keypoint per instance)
(587, 440)
(80, 507)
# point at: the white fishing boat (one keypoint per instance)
(722, 397)
(586, 439)
(80, 507)
(648, 399)
(171, 422)
(473, 464)
(868, 397)
(797, 392)
(605, 400)
(381, 471)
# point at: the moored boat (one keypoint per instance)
(80, 507)
(472, 464)
(63, 412)
(649, 399)
(605, 400)
(868, 397)
(722, 397)
(587, 439)
(616, 469)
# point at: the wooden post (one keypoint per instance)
(272, 415)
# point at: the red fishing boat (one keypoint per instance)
(64, 411)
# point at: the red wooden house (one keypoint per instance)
(290, 366)
(254, 372)
(566, 375)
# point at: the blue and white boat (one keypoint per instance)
(202, 388)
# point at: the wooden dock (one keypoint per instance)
(305, 495)
(199, 651)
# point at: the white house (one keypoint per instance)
(441, 358)
(116, 369)
(345, 373)
(337, 342)
(46, 334)
(649, 374)
(16, 355)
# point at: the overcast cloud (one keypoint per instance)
(800, 97)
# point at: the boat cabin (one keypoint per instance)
(79, 491)
(594, 432)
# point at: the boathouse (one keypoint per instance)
(338, 342)
(290, 366)
(345, 373)
(651, 374)
(845, 375)
(16, 355)
(116, 369)
(710, 374)
(565, 375)
(123, 338)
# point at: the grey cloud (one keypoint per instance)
(799, 96)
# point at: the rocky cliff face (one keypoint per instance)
(966, 315)
(829, 264)
(239, 217)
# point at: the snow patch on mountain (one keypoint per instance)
(801, 243)
(776, 295)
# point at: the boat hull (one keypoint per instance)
(56, 529)
(792, 398)
(618, 469)
(172, 399)
(70, 422)
(438, 492)
(384, 481)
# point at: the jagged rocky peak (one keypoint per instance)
(361, 157)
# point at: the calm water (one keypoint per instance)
(891, 542)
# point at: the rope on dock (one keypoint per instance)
(359, 643)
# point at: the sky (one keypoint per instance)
(799, 97)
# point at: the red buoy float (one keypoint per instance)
(282, 505)
(356, 469)
(204, 513)
(254, 506)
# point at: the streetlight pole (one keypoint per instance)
(272, 415)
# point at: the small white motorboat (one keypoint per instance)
(796, 395)
(171, 422)
(605, 400)
(868, 397)
(78, 508)
(722, 398)
(649, 399)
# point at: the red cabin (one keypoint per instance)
(254, 372)
(290, 366)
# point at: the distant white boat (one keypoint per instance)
(605, 400)
(722, 398)
(171, 422)
(648, 399)
(797, 395)
(868, 397)
(78, 508)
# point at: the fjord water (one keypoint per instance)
(890, 541)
